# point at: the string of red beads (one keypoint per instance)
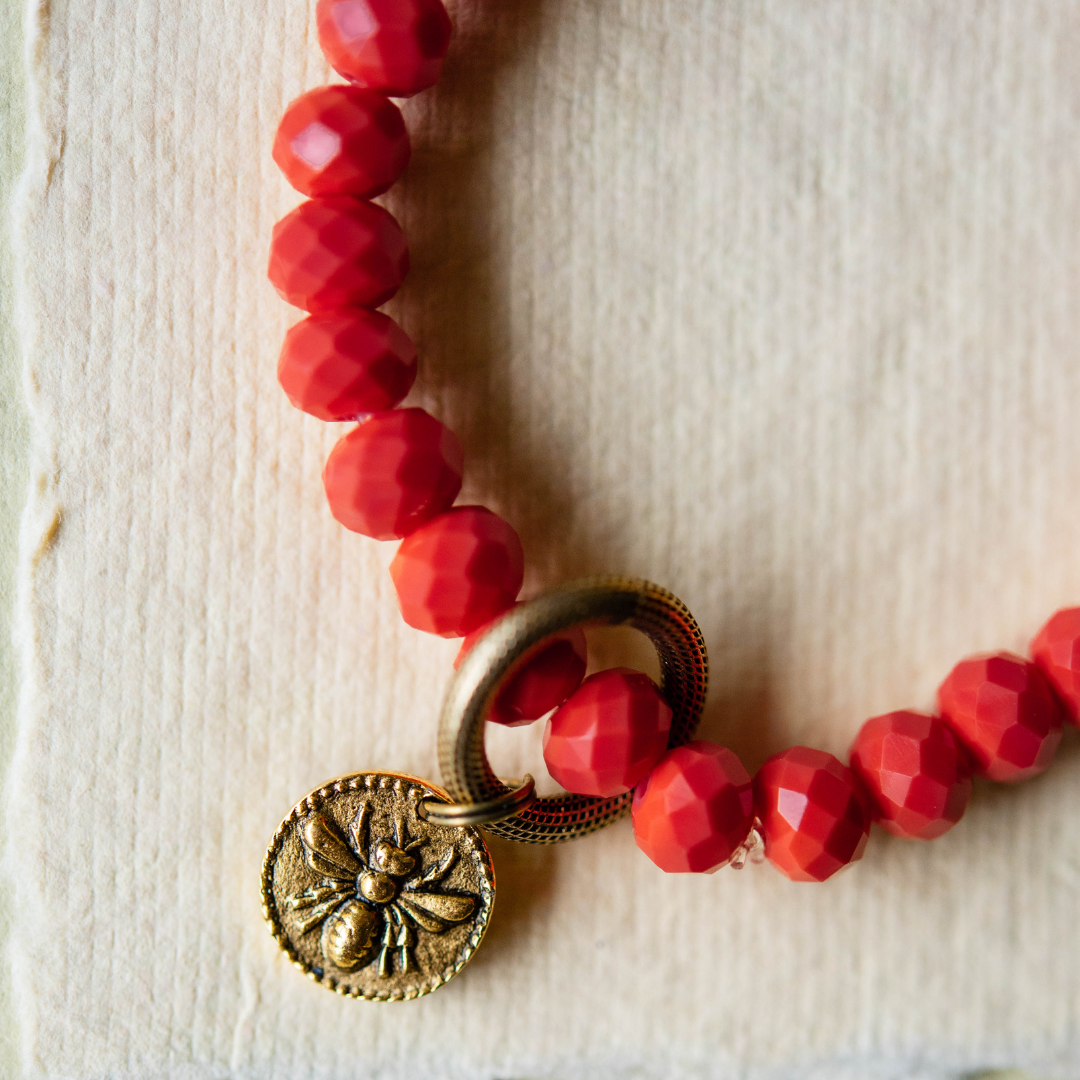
(396, 476)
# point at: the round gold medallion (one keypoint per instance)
(368, 898)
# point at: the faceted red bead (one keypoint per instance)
(608, 734)
(694, 809)
(342, 140)
(396, 46)
(1056, 651)
(395, 471)
(1003, 711)
(336, 252)
(917, 776)
(812, 812)
(341, 366)
(458, 571)
(543, 684)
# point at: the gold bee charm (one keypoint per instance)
(368, 898)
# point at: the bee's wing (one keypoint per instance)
(325, 851)
(313, 896)
(357, 832)
(320, 911)
(436, 912)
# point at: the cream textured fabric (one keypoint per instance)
(772, 302)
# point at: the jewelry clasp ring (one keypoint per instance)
(479, 797)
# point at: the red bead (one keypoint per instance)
(458, 571)
(812, 813)
(608, 734)
(337, 252)
(543, 684)
(1056, 651)
(341, 366)
(917, 776)
(342, 140)
(694, 809)
(1003, 710)
(396, 46)
(395, 471)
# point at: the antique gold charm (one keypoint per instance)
(378, 886)
(370, 899)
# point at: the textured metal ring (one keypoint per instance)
(511, 641)
(480, 813)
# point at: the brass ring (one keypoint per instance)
(480, 813)
(510, 642)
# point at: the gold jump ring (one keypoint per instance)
(481, 813)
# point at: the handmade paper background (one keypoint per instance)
(771, 302)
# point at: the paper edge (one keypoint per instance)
(41, 148)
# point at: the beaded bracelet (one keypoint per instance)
(380, 885)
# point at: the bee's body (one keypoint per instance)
(351, 935)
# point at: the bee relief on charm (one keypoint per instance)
(368, 898)
(374, 902)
